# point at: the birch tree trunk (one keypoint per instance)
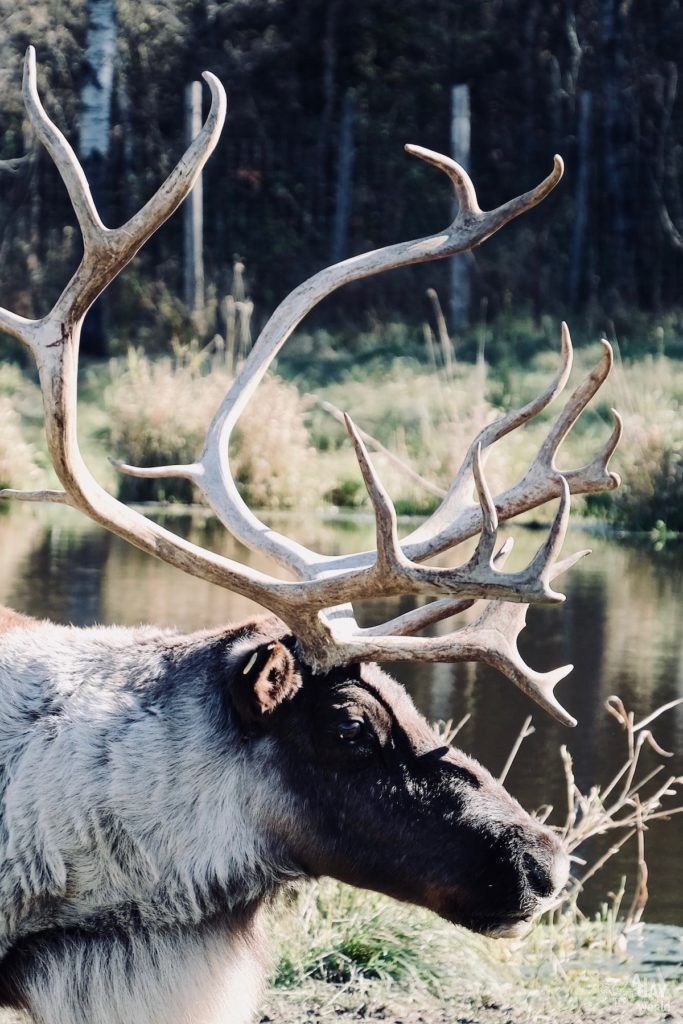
(94, 133)
(194, 216)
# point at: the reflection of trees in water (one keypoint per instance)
(642, 653)
(18, 536)
(61, 575)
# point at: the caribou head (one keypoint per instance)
(363, 788)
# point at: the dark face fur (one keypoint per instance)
(381, 803)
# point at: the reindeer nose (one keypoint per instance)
(538, 876)
(546, 869)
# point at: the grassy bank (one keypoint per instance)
(291, 452)
(352, 955)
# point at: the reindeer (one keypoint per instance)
(158, 789)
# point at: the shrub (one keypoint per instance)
(652, 491)
(17, 456)
(158, 414)
(347, 493)
(649, 394)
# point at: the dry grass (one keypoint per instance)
(649, 395)
(290, 453)
(158, 413)
(429, 417)
(18, 456)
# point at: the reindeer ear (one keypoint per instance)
(262, 676)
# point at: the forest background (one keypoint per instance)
(323, 94)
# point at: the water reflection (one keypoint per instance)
(621, 628)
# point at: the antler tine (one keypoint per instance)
(51, 496)
(390, 559)
(178, 185)
(419, 618)
(595, 476)
(463, 186)
(577, 402)
(63, 157)
(107, 250)
(489, 516)
(544, 562)
(500, 625)
(18, 326)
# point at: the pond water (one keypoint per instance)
(621, 627)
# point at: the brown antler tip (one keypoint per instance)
(558, 166)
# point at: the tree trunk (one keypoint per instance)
(344, 194)
(616, 167)
(193, 223)
(94, 133)
(320, 191)
(581, 203)
(460, 265)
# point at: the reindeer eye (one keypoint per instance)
(350, 731)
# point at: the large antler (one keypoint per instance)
(317, 603)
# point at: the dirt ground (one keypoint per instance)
(290, 1008)
(491, 1015)
(326, 1004)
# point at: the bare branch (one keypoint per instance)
(524, 733)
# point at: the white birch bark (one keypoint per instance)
(194, 214)
(96, 93)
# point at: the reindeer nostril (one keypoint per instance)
(539, 876)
